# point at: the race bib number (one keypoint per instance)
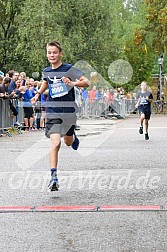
(58, 89)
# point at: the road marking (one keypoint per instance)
(129, 208)
(10, 209)
(65, 208)
(79, 208)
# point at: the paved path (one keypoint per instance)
(114, 167)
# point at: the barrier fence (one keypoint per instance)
(87, 109)
(8, 117)
(118, 107)
(5, 114)
(97, 108)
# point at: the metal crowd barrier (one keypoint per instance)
(120, 108)
(7, 119)
(89, 108)
(159, 107)
(20, 116)
(97, 108)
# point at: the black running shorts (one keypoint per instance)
(146, 111)
(60, 126)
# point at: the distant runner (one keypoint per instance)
(145, 99)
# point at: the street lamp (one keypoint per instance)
(160, 62)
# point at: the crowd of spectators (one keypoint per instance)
(21, 88)
(99, 100)
(91, 102)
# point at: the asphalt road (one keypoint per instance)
(114, 166)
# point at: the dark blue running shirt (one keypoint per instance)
(65, 103)
(142, 99)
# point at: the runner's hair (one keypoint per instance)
(55, 43)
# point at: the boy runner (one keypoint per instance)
(145, 98)
(60, 78)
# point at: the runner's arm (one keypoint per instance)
(82, 82)
(137, 104)
(150, 98)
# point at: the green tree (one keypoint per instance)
(9, 10)
(86, 31)
(98, 32)
(157, 24)
(138, 50)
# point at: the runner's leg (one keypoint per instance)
(146, 125)
(142, 117)
(54, 149)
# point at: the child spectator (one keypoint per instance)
(27, 95)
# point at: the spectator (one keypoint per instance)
(92, 100)
(99, 96)
(4, 89)
(10, 73)
(4, 94)
(23, 78)
(12, 85)
(36, 84)
(1, 79)
(27, 95)
(32, 82)
(11, 88)
(18, 84)
(84, 100)
(92, 94)
(99, 93)
(84, 95)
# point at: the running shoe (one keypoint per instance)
(53, 184)
(75, 143)
(146, 136)
(141, 130)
